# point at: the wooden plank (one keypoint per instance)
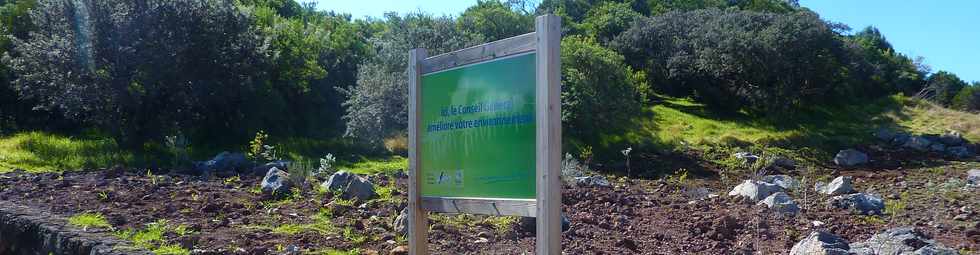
(548, 138)
(418, 226)
(489, 51)
(498, 207)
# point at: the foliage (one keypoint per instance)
(968, 99)
(608, 20)
(387, 166)
(259, 149)
(152, 237)
(178, 145)
(878, 69)
(737, 59)
(494, 20)
(46, 152)
(598, 88)
(327, 166)
(89, 220)
(942, 87)
(377, 106)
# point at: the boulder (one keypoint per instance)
(839, 186)
(885, 134)
(276, 182)
(755, 190)
(973, 178)
(901, 139)
(860, 202)
(264, 168)
(821, 243)
(781, 203)
(937, 147)
(959, 152)
(850, 157)
(919, 143)
(952, 138)
(223, 164)
(784, 181)
(401, 222)
(350, 185)
(595, 181)
(900, 241)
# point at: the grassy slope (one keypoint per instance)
(671, 123)
(819, 131)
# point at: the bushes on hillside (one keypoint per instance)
(598, 88)
(968, 99)
(734, 59)
(942, 87)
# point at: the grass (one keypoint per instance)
(152, 238)
(89, 220)
(374, 166)
(38, 152)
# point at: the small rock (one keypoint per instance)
(918, 143)
(529, 224)
(784, 181)
(973, 178)
(484, 234)
(821, 243)
(781, 203)
(784, 162)
(482, 240)
(401, 222)
(595, 181)
(818, 223)
(839, 186)
(755, 190)
(400, 250)
(903, 240)
(627, 243)
(850, 157)
(276, 182)
(862, 203)
(961, 217)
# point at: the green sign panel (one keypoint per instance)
(477, 135)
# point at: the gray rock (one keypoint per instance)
(959, 152)
(401, 222)
(784, 181)
(821, 243)
(597, 181)
(901, 139)
(784, 162)
(224, 164)
(918, 143)
(781, 203)
(755, 190)
(973, 178)
(276, 182)
(839, 186)
(264, 168)
(937, 147)
(900, 241)
(850, 157)
(698, 193)
(860, 202)
(529, 224)
(885, 134)
(952, 138)
(350, 185)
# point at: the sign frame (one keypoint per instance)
(545, 42)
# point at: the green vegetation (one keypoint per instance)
(387, 166)
(152, 237)
(47, 152)
(89, 220)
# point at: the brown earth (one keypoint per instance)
(648, 217)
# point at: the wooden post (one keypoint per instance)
(418, 225)
(548, 103)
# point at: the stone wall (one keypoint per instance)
(29, 231)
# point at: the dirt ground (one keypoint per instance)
(641, 217)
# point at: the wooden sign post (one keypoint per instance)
(485, 133)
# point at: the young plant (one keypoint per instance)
(89, 220)
(177, 146)
(259, 149)
(629, 170)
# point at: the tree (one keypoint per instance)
(608, 20)
(139, 69)
(494, 20)
(942, 87)
(737, 59)
(377, 105)
(598, 88)
(968, 99)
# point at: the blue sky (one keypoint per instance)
(946, 33)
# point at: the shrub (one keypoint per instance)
(968, 99)
(598, 89)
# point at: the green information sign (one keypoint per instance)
(477, 136)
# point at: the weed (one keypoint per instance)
(626, 153)
(896, 207)
(259, 149)
(152, 237)
(104, 196)
(89, 220)
(501, 224)
(177, 146)
(872, 219)
(233, 180)
(354, 237)
(386, 166)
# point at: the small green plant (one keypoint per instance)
(259, 149)
(896, 207)
(679, 177)
(177, 146)
(89, 220)
(587, 155)
(354, 237)
(327, 166)
(152, 237)
(232, 180)
(104, 196)
(626, 153)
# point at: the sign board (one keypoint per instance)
(485, 133)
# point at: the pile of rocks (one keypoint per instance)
(845, 197)
(769, 191)
(898, 241)
(951, 144)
